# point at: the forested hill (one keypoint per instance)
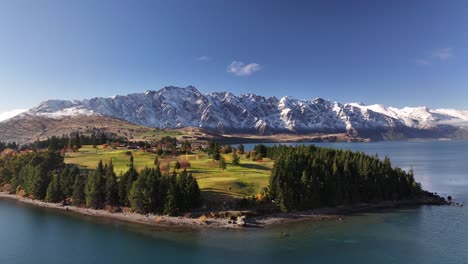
(305, 177)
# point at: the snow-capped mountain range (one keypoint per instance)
(223, 112)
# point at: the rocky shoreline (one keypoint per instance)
(252, 221)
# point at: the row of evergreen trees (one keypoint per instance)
(43, 175)
(54, 143)
(147, 191)
(30, 173)
(70, 141)
(5, 145)
(306, 177)
(154, 192)
(76, 140)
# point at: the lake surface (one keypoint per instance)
(429, 234)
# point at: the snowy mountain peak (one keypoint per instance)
(318, 100)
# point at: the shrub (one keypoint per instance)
(184, 164)
(202, 219)
(260, 197)
(20, 191)
(258, 157)
(7, 188)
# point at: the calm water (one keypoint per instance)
(424, 235)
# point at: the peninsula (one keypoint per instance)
(169, 182)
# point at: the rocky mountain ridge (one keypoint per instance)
(225, 113)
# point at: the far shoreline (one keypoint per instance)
(286, 138)
(179, 223)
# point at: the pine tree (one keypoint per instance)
(93, 192)
(222, 163)
(38, 183)
(94, 140)
(177, 166)
(181, 186)
(54, 193)
(192, 192)
(136, 195)
(235, 159)
(216, 155)
(122, 185)
(170, 205)
(67, 179)
(65, 185)
(79, 189)
(77, 140)
(111, 188)
(240, 149)
(22, 180)
(126, 182)
(227, 149)
(100, 168)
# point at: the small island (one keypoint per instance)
(202, 184)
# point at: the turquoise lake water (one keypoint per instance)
(429, 234)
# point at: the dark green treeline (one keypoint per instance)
(43, 175)
(306, 177)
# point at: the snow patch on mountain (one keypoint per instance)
(9, 114)
(68, 112)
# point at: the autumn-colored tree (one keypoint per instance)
(184, 164)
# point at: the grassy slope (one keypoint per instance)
(244, 180)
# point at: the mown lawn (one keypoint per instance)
(234, 182)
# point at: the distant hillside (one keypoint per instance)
(27, 128)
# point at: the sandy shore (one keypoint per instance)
(149, 219)
(263, 221)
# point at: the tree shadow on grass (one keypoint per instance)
(217, 195)
(254, 166)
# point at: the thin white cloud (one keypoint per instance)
(436, 55)
(443, 54)
(9, 114)
(204, 58)
(241, 69)
(422, 62)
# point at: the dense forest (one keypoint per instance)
(44, 176)
(305, 177)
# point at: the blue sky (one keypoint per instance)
(396, 53)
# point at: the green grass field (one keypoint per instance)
(233, 182)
